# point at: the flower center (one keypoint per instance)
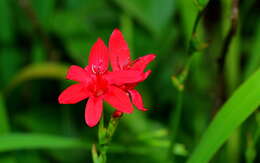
(98, 86)
(98, 69)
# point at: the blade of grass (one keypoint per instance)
(147, 13)
(4, 124)
(242, 103)
(18, 141)
(37, 71)
(4, 128)
(6, 32)
(33, 141)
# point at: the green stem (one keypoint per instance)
(175, 123)
(104, 138)
(180, 82)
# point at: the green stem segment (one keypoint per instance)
(179, 82)
(175, 123)
(99, 153)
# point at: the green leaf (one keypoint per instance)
(127, 27)
(234, 112)
(36, 71)
(44, 10)
(79, 50)
(71, 23)
(155, 16)
(10, 61)
(254, 54)
(6, 32)
(4, 125)
(4, 128)
(38, 54)
(21, 141)
(188, 13)
(232, 64)
(202, 3)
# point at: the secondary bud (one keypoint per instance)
(117, 114)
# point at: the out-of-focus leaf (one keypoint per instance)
(151, 13)
(226, 6)
(254, 57)
(7, 159)
(188, 13)
(242, 103)
(4, 128)
(201, 3)
(79, 50)
(139, 118)
(127, 30)
(36, 71)
(232, 57)
(30, 156)
(24, 141)
(4, 125)
(10, 61)
(34, 120)
(38, 54)
(232, 64)
(68, 24)
(75, 4)
(44, 10)
(21, 141)
(6, 32)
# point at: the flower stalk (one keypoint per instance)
(105, 135)
(179, 81)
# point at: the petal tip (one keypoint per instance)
(91, 124)
(60, 101)
(116, 31)
(143, 109)
(99, 39)
(100, 42)
(116, 34)
(153, 56)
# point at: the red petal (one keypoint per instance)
(73, 94)
(137, 99)
(147, 73)
(142, 62)
(119, 100)
(144, 76)
(98, 59)
(93, 111)
(118, 51)
(124, 76)
(78, 74)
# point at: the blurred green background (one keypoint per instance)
(39, 39)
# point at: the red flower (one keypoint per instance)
(121, 61)
(97, 83)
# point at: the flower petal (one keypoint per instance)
(124, 77)
(137, 99)
(73, 94)
(93, 111)
(79, 74)
(118, 51)
(119, 100)
(145, 75)
(98, 59)
(142, 62)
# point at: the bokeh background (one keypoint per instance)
(39, 39)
